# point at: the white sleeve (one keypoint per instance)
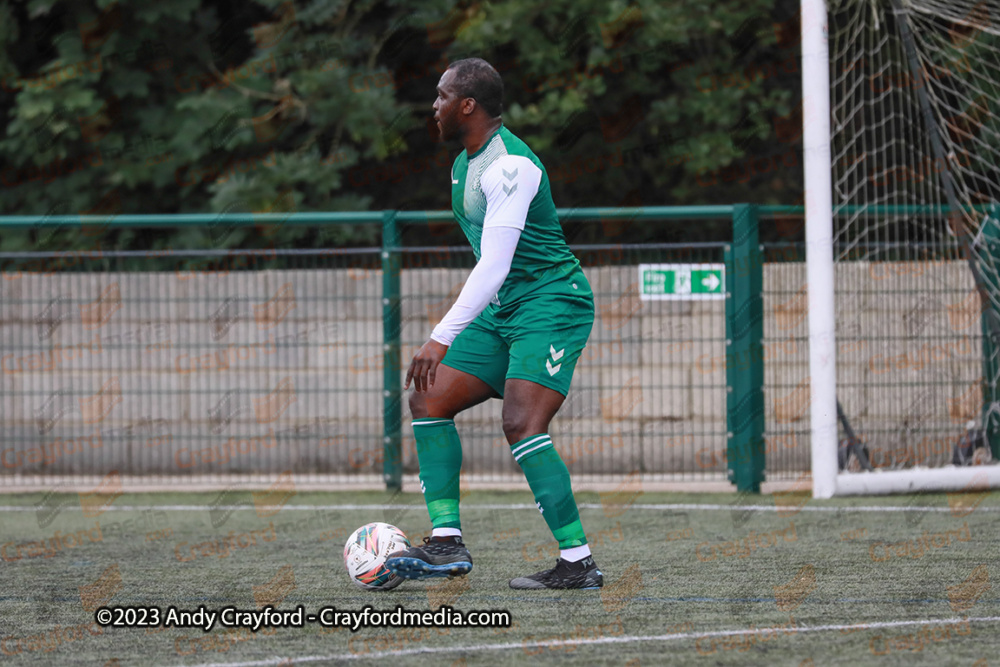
(496, 254)
(509, 184)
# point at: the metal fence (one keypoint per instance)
(913, 357)
(195, 366)
(637, 402)
(786, 361)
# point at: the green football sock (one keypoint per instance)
(439, 451)
(549, 481)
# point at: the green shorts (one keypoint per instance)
(539, 340)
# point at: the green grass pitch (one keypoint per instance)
(690, 579)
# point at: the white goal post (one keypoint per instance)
(821, 122)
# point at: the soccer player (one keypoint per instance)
(516, 332)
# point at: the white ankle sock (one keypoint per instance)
(446, 532)
(575, 554)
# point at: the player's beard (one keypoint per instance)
(448, 128)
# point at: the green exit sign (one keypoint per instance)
(682, 282)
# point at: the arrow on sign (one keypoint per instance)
(711, 282)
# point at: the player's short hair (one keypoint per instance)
(476, 78)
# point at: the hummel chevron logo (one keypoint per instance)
(454, 182)
(509, 191)
(508, 175)
(539, 506)
(556, 356)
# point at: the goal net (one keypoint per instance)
(915, 153)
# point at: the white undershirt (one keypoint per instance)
(509, 185)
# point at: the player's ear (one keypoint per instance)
(468, 105)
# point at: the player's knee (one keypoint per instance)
(418, 405)
(434, 404)
(518, 425)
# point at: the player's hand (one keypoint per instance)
(423, 368)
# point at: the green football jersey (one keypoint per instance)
(505, 183)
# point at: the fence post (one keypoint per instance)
(745, 352)
(392, 417)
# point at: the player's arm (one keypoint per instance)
(509, 186)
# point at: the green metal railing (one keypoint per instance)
(744, 317)
(766, 425)
(743, 312)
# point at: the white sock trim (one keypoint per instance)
(520, 448)
(574, 554)
(547, 443)
(428, 421)
(446, 532)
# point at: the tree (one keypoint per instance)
(224, 106)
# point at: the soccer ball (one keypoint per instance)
(366, 551)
